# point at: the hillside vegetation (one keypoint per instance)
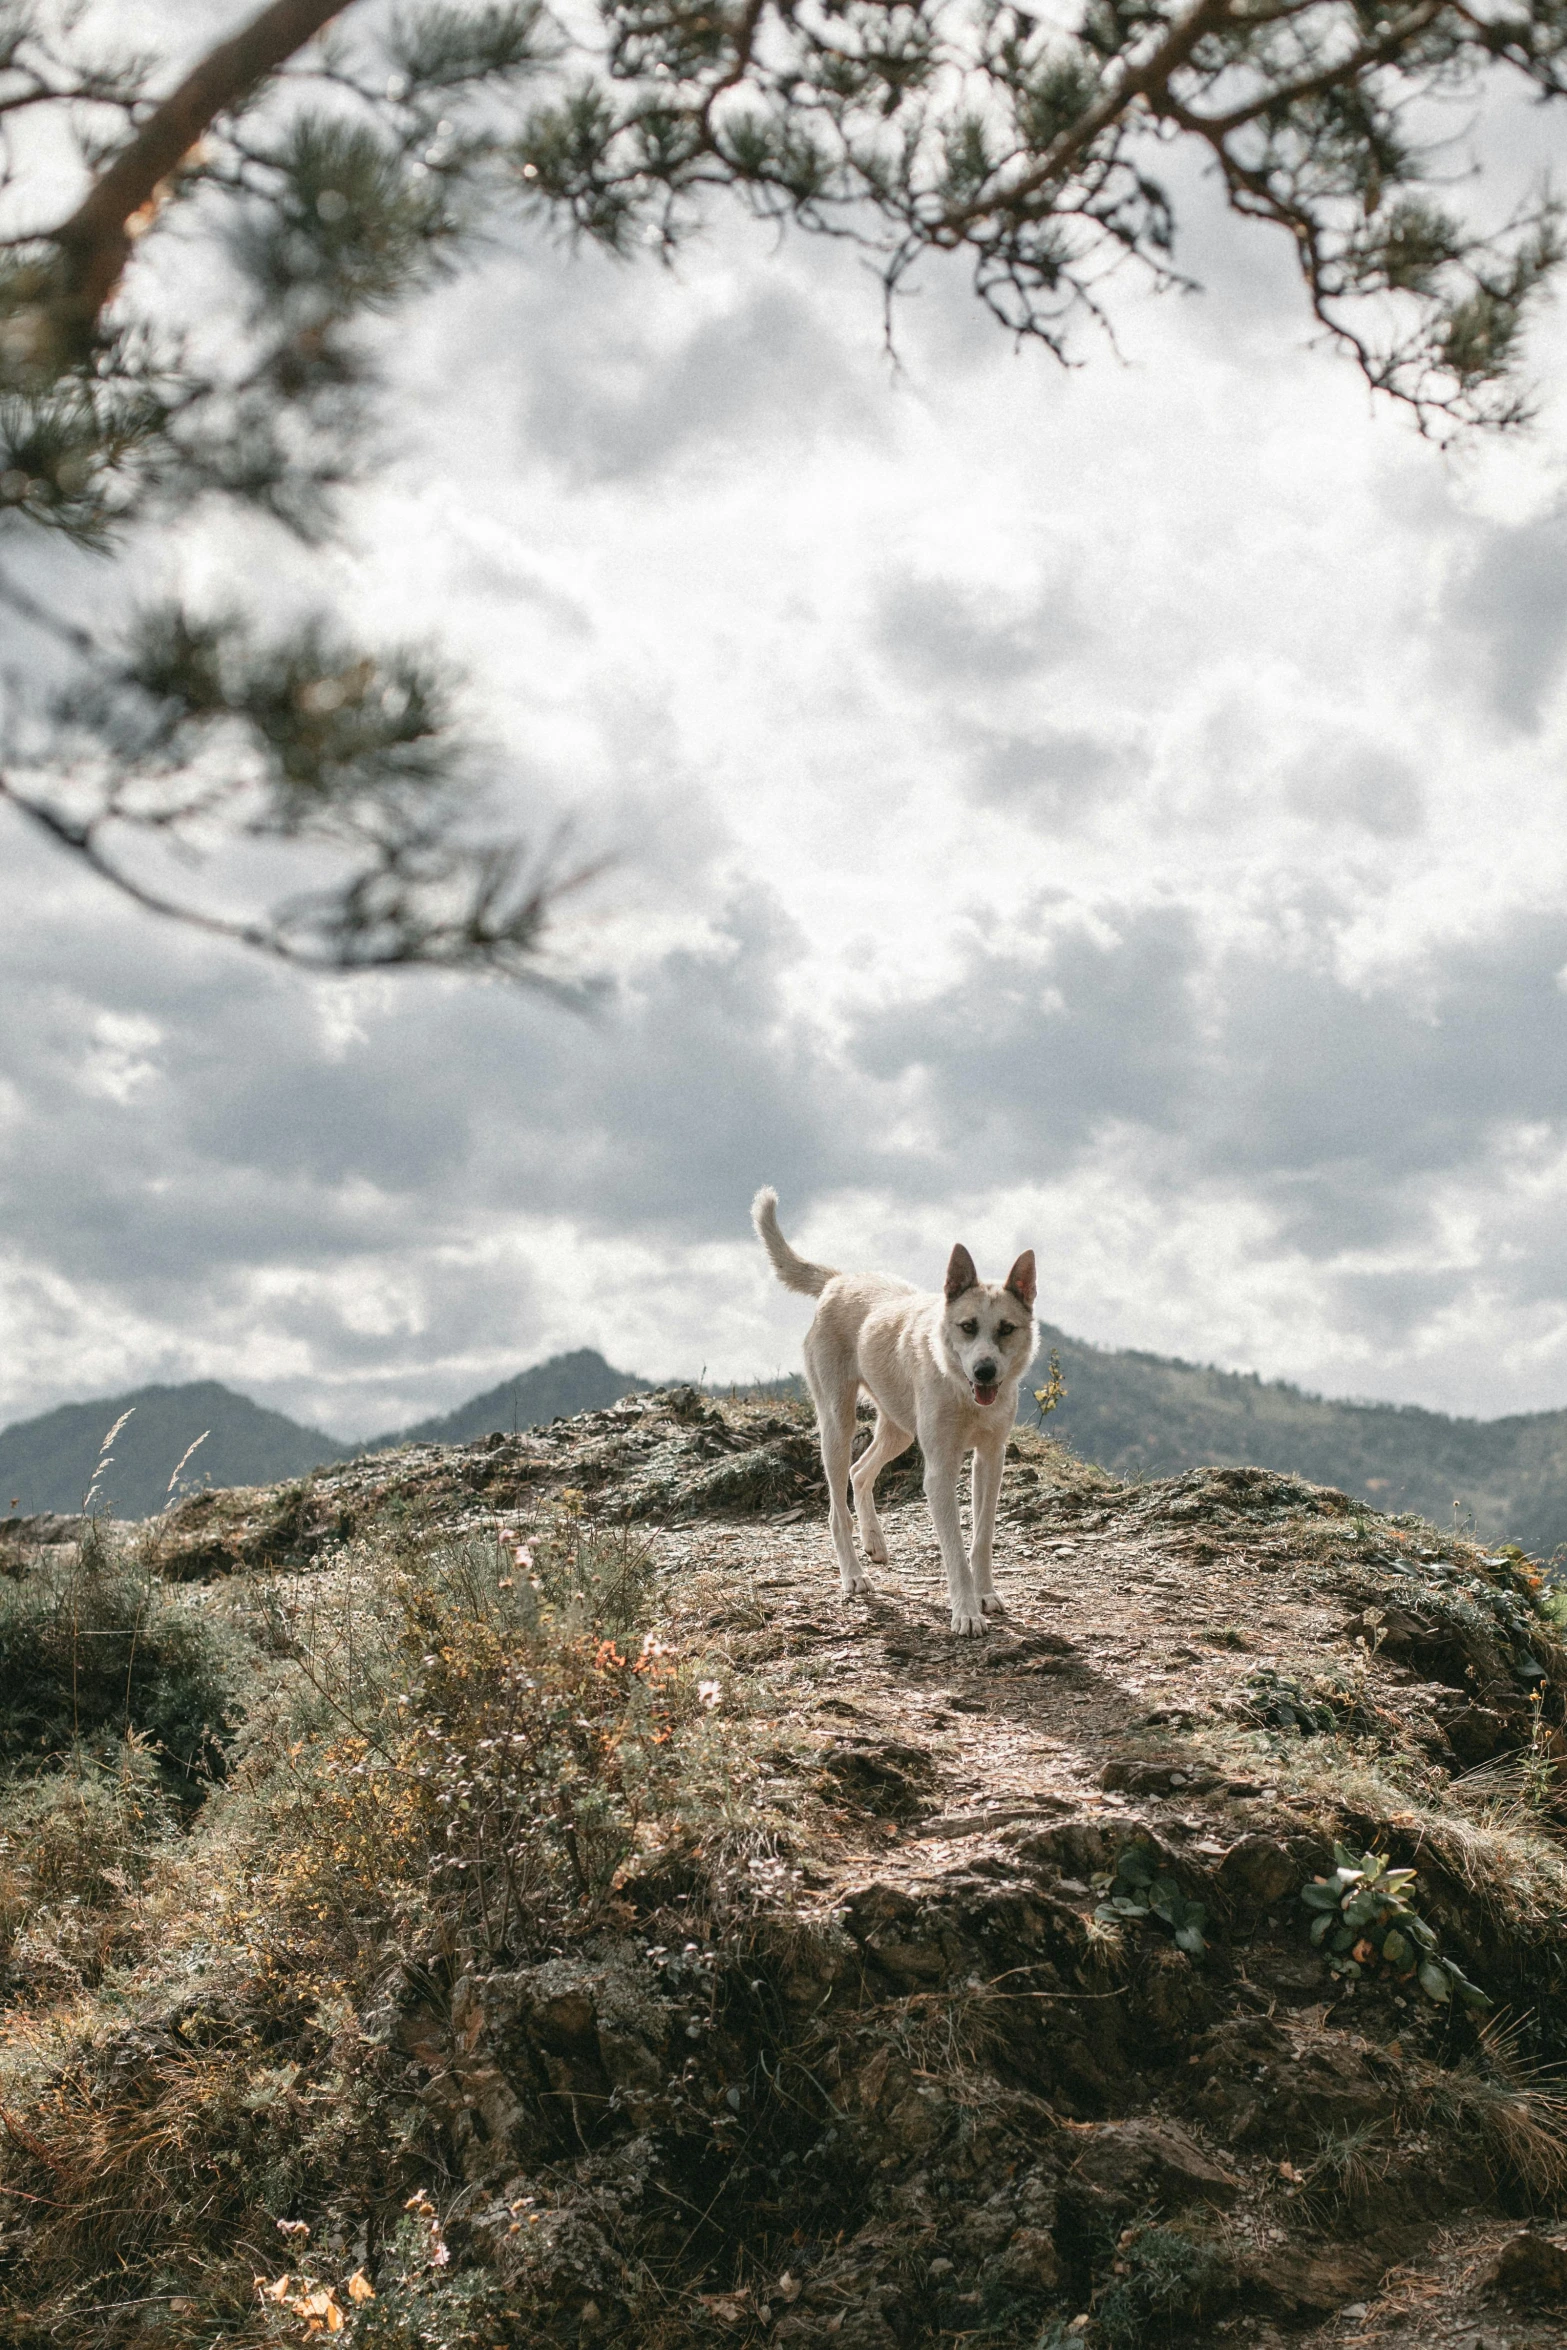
(500, 1895)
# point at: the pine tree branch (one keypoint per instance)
(1272, 101)
(79, 839)
(96, 241)
(1151, 75)
(418, 903)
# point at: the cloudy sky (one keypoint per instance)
(1116, 811)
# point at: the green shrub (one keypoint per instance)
(1134, 1894)
(1365, 1918)
(489, 1740)
(1277, 1701)
(94, 1651)
(86, 1834)
(76, 1844)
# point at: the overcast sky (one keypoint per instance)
(1116, 812)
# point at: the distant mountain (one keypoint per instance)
(1148, 1415)
(48, 1463)
(579, 1382)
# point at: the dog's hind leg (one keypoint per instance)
(835, 1387)
(888, 1441)
(989, 1463)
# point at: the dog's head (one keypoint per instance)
(988, 1327)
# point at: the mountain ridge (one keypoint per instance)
(49, 1463)
(1139, 1414)
(1146, 1415)
(579, 1381)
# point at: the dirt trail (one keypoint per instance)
(1148, 1634)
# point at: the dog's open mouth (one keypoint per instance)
(985, 1391)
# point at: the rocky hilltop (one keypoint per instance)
(501, 1894)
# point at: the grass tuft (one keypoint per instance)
(1165, 2283)
(1515, 2106)
(1345, 2172)
(466, 1754)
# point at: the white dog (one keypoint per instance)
(944, 1369)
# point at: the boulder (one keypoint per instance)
(1300, 2279)
(1258, 1872)
(1475, 1732)
(897, 1934)
(1532, 2269)
(1154, 2161)
(1029, 2263)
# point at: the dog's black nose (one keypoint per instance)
(985, 1372)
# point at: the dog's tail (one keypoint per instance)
(794, 1272)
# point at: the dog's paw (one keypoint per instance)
(991, 1604)
(857, 1586)
(967, 1619)
(875, 1547)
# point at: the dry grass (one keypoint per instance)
(1509, 1863)
(1335, 1773)
(1516, 2107)
(944, 2035)
(456, 1754)
(1499, 1851)
(153, 2162)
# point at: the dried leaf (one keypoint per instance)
(728, 2308)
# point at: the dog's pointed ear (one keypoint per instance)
(960, 1272)
(1021, 1279)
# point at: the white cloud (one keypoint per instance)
(1115, 811)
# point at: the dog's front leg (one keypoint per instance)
(943, 1458)
(989, 1466)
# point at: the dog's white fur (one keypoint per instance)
(945, 1369)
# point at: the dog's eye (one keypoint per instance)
(1005, 1329)
(969, 1329)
